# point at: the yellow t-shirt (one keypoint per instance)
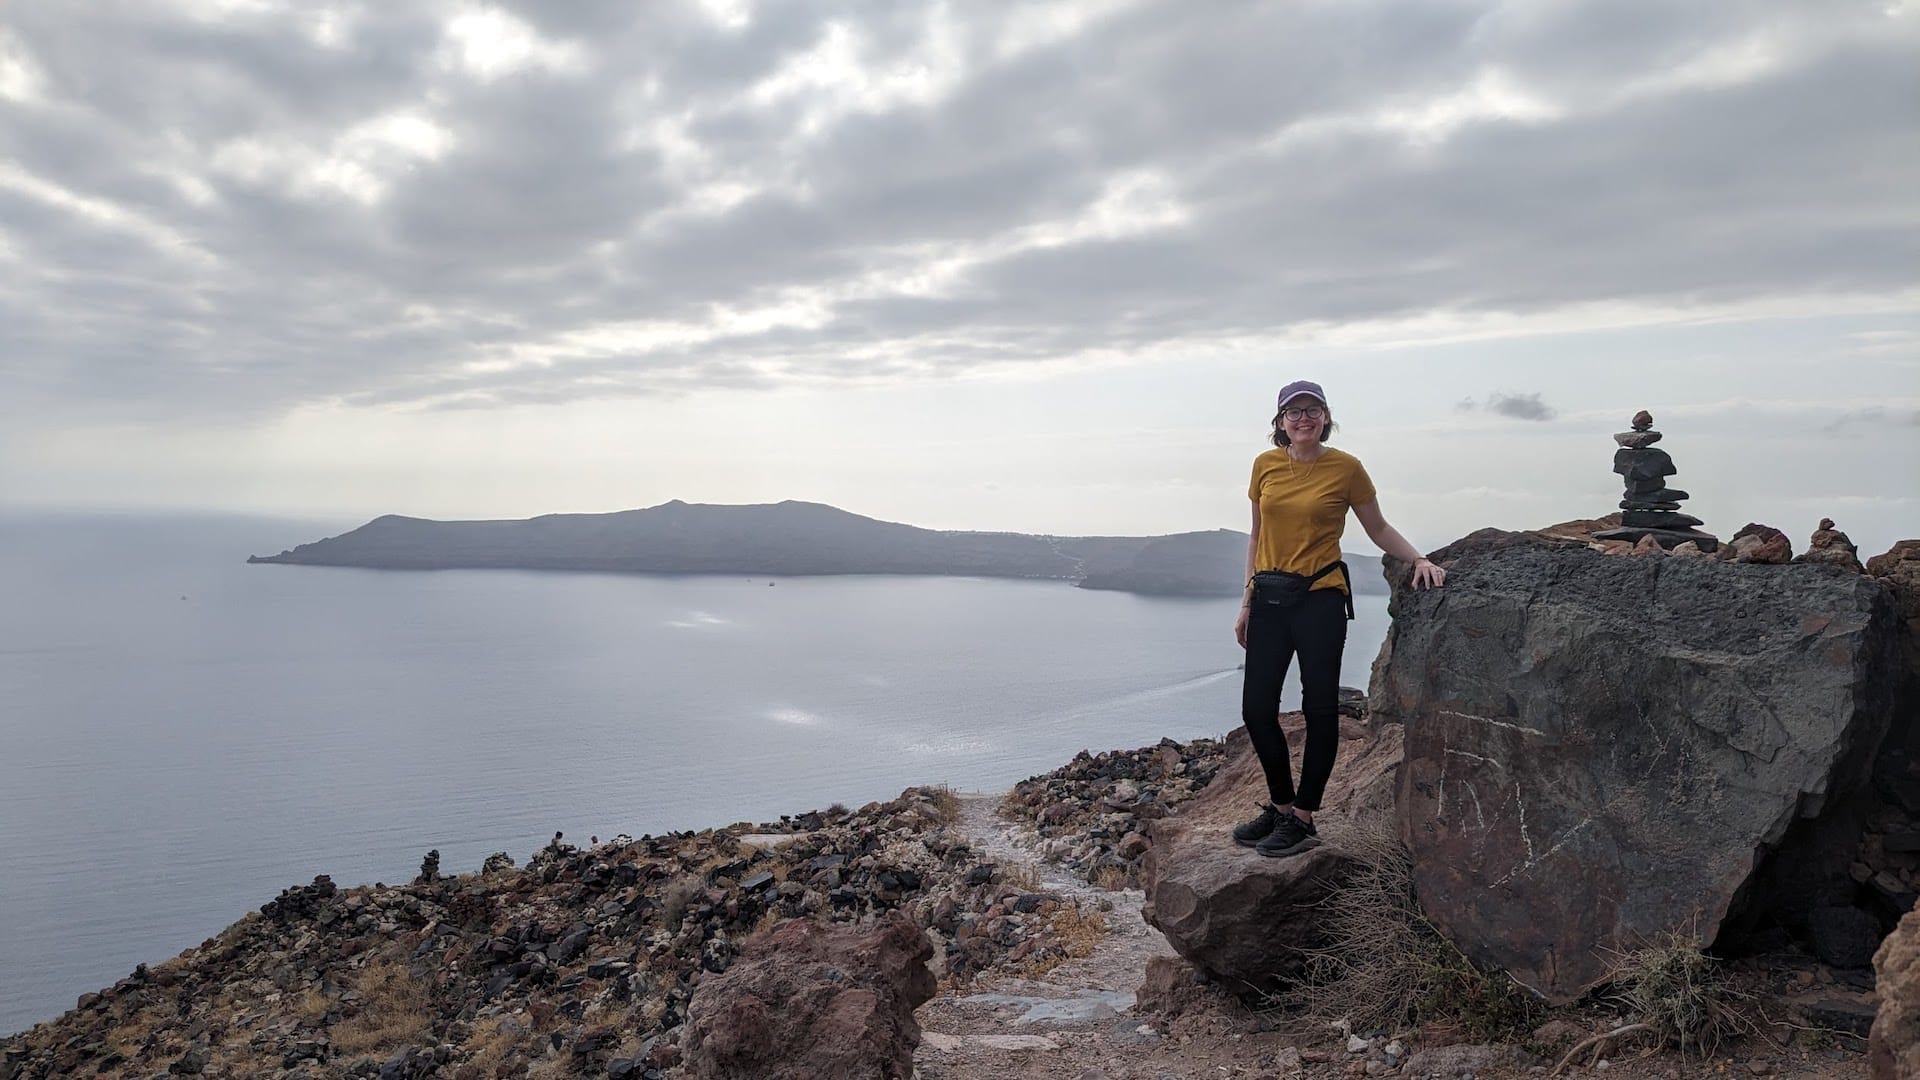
(1303, 510)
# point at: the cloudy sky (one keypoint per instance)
(1010, 266)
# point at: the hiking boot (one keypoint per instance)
(1256, 830)
(1290, 836)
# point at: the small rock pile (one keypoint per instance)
(1758, 543)
(1832, 547)
(1090, 812)
(1651, 508)
(581, 963)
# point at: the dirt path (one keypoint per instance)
(1079, 1022)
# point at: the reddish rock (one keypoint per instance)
(1241, 917)
(1899, 568)
(1757, 543)
(1170, 987)
(1893, 1046)
(1649, 546)
(809, 1000)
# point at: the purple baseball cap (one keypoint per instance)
(1301, 388)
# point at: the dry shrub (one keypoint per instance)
(1013, 806)
(1079, 930)
(1076, 931)
(675, 897)
(944, 801)
(397, 1011)
(1022, 876)
(768, 919)
(1113, 878)
(1681, 994)
(1386, 967)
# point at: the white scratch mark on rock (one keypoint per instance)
(1491, 720)
(1559, 842)
(1521, 805)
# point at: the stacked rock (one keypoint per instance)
(1651, 508)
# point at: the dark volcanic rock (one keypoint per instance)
(1658, 519)
(1599, 750)
(1643, 464)
(809, 1001)
(1843, 936)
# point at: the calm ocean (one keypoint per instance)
(183, 735)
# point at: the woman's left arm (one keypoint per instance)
(1388, 539)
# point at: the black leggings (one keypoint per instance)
(1316, 629)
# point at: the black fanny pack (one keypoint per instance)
(1283, 589)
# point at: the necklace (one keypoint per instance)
(1312, 466)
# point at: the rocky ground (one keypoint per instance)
(1131, 1010)
(580, 963)
(583, 961)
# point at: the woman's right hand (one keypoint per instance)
(1240, 628)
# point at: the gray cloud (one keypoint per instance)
(1513, 406)
(1875, 415)
(247, 215)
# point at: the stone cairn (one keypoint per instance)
(1651, 508)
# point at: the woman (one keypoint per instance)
(1298, 601)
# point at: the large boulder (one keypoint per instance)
(810, 1000)
(1897, 774)
(1893, 1046)
(1600, 751)
(1240, 917)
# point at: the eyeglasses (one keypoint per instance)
(1311, 412)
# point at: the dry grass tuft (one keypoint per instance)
(1386, 967)
(398, 1010)
(311, 1005)
(1114, 878)
(141, 1023)
(1681, 994)
(491, 1048)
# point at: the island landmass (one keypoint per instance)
(794, 539)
